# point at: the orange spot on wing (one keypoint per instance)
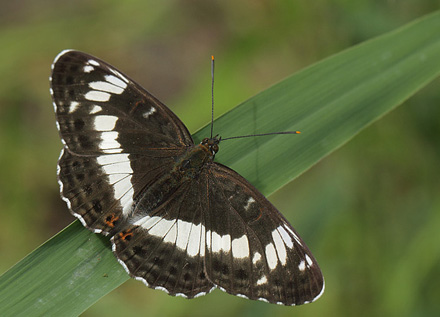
(126, 235)
(137, 104)
(110, 221)
(259, 216)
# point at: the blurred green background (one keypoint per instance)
(370, 212)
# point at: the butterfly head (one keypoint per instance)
(211, 144)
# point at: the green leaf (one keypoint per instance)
(329, 103)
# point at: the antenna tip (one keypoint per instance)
(212, 57)
(297, 132)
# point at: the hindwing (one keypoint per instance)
(252, 250)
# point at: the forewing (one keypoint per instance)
(165, 248)
(118, 139)
(252, 251)
(101, 111)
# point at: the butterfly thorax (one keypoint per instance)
(187, 169)
(191, 163)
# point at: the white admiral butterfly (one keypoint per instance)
(178, 221)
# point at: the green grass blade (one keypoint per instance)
(329, 102)
(62, 276)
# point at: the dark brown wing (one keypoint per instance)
(99, 110)
(165, 247)
(251, 250)
(118, 139)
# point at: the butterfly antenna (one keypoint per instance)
(212, 114)
(261, 134)
(212, 94)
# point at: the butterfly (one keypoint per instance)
(178, 221)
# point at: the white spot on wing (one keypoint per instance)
(114, 179)
(115, 81)
(95, 109)
(240, 247)
(88, 68)
(73, 106)
(280, 247)
(250, 201)
(202, 242)
(149, 113)
(161, 288)
(285, 236)
(58, 128)
(309, 260)
(215, 242)
(123, 191)
(118, 74)
(208, 237)
(61, 183)
(94, 95)
(171, 235)
(105, 123)
(194, 241)
(204, 293)
(226, 243)
(107, 87)
(161, 228)
(302, 265)
(109, 143)
(256, 258)
(262, 280)
(271, 256)
(118, 170)
(220, 243)
(183, 232)
(116, 163)
(93, 62)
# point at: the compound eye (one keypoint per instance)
(215, 148)
(205, 141)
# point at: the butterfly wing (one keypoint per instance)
(117, 139)
(251, 250)
(165, 249)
